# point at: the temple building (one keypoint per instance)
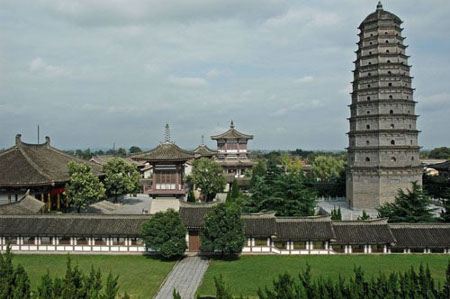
(233, 153)
(203, 151)
(168, 163)
(39, 168)
(383, 152)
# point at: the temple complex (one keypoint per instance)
(233, 153)
(168, 163)
(383, 152)
(39, 168)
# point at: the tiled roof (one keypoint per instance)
(166, 151)
(232, 133)
(102, 159)
(72, 225)
(363, 232)
(260, 225)
(381, 14)
(445, 166)
(192, 214)
(421, 235)
(304, 229)
(26, 165)
(204, 151)
(25, 206)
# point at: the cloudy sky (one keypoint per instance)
(94, 73)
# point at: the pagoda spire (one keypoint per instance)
(379, 6)
(232, 125)
(167, 134)
(203, 139)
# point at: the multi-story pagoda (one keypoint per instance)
(233, 152)
(383, 152)
(203, 151)
(39, 168)
(168, 162)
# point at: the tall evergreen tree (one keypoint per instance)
(234, 193)
(112, 287)
(410, 206)
(445, 214)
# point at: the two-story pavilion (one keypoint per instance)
(233, 152)
(168, 162)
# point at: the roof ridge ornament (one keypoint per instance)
(18, 139)
(203, 140)
(232, 125)
(167, 134)
(379, 6)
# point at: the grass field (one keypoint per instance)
(140, 276)
(245, 275)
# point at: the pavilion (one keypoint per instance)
(40, 168)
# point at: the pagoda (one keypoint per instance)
(203, 151)
(383, 152)
(168, 162)
(233, 152)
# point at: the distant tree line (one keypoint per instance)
(406, 285)
(119, 152)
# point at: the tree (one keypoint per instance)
(336, 215)
(208, 176)
(14, 282)
(410, 206)
(165, 233)
(440, 153)
(112, 287)
(445, 214)
(291, 166)
(84, 188)
(191, 196)
(121, 152)
(221, 290)
(120, 177)
(134, 150)
(258, 171)
(223, 229)
(234, 193)
(364, 216)
(327, 168)
(176, 295)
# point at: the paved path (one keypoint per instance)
(185, 277)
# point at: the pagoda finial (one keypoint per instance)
(203, 139)
(167, 134)
(379, 6)
(232, 125)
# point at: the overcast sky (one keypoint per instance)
(92, 73)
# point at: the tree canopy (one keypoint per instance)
(120, 177)
(134, 150)
(208, 176)
(223, 229)
(440, 153)
(327, 168)
(410, 206)
(165, 233)
(84, 188)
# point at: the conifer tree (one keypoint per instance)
(112, 287)
(191, 196)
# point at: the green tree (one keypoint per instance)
(327, 168)
(440, 153)
(165, 233)
(223, 229)
(112, 287)
(445, 214)
(410, 206)
(191, 196)
(336, 214)
(120, 177)
(291, 166)
(176, 295)
(208, 176)
(121, 152)
(364, 216)
(234, 193)
(258, 171)
(14, 282)
(222, 291)
(134, 150)
(84, 188)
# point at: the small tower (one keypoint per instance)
(383, 152)
(167, 134)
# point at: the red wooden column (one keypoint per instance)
(154, 178)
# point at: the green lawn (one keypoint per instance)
(140, 276)
(245, 275)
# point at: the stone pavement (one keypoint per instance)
(185, 277)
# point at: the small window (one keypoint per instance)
(407, 97)
(411, 142)
(369, 74)
(393, 142)
(389, 84)
(386, 32)
(410, 126)
(370, 62)
(387, 41)
(391, 111)
(367, 142)
(368, 85)
(368, 98)
(368, 112)
(367, 159)
(412, 158)
(393, 159)
(409, 111)
(368, 127)
(387, 51)
(392, 126)
(371, 34)
(370, 52)
(388, 61)
(370, 43)
(389, 72)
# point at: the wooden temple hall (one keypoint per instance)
(265, 234)
(39, 169)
